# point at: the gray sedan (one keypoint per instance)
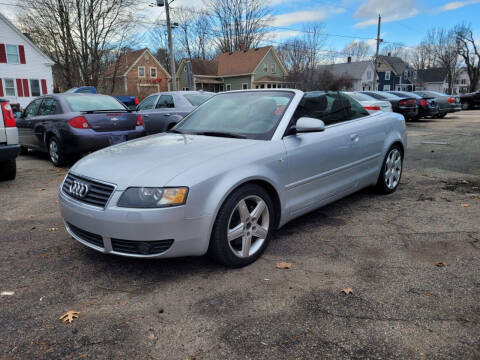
(162, 111)
(238, 167)
(446, 103)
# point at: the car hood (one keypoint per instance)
(154, 160)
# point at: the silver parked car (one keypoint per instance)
(370, 103)
(162, 111)
(241, 165)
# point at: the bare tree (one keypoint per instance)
(302, 55)
(470, 53)
(422, 56)
(358, 51)
(444, 45)
(242, 24)
(77, 34)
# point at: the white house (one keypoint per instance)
(359, 72)
(25, 72)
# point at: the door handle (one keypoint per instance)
(354, 137)
(145, 115)
(167, 114)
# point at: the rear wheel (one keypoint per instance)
(391, 171)
(8, 169)
(442, 115)
(243, 227)
(56, 153)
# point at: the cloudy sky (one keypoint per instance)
(403, 21)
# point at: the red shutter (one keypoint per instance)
(1, 88)
(21, 51)
(25, 88)
(44, 87)
(19, 87)
(3, 54)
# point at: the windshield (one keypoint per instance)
(250, 114)
(197, 99)
(93, 103)
(360, 97)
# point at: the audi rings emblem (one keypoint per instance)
(78, 188)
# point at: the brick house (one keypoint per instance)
(248, 69)
(25, 71)
(136, 73)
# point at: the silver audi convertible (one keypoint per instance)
(241, 165)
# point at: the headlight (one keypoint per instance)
(152, 197)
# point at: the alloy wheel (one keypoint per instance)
(393, 169)
(248, 226)
(53, 150)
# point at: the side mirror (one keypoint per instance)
(306, 124)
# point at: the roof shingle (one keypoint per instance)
(124, 62)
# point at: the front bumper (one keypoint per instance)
(138, 227)
(9, 152)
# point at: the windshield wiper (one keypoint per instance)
(220, 134)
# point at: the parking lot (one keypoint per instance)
(412, 260)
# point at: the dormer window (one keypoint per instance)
(13, 56)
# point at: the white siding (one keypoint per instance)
(36, 66)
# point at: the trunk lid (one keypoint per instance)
(103, 121)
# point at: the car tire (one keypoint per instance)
(391, 171)
(55, 151)
(23, 150)
(8, 169)
(243, 227)
(442, 115)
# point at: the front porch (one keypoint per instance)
(272, 82)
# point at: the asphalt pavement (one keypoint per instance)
(411, 260)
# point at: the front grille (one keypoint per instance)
(141, 247)
(97, 195)
(86, 235)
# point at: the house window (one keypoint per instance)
(387, 75)
(35, 87)
(244, 86)
(262, 86)
(405, 74)
(9, 87)
(464, 81)
(369, 75)
(12, 54)
(256, 87)
(274, 86)
(229, 87)
(269, 86)
(386, 87)
(153, 72)
(141, 71)
(274, 68)
(265, 67)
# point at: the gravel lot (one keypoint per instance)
(385, 248)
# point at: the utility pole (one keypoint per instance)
(376, 54)
(170, 43)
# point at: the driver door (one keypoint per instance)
(26, 123)
(319, 162)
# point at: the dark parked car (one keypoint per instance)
(446, 103)
(427, 106)
(162, 111)
(129, 101)
(471, 100)
(405, 105)
(65, 125)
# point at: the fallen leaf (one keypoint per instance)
(440, 264)
(283, 265)
(42, 189)
(52, 229)
(347, 291)
(7, 293)
(464, 182)
(465, 205)
(69, 316)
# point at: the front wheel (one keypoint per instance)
(391, 171)
(243, 227)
